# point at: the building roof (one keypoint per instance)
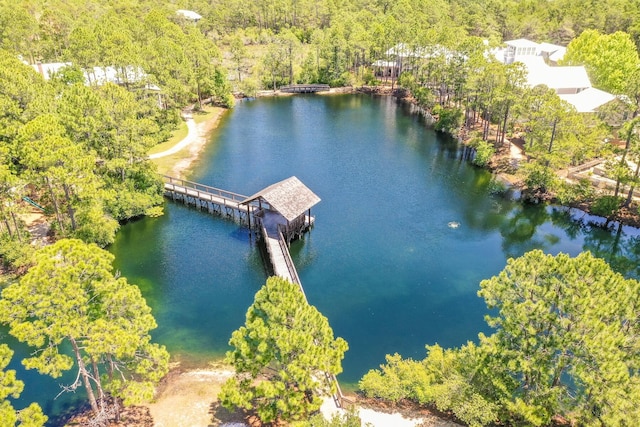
(589, 100)
(522, 43)
(49, 69)
(189, 14)
(557, 78)
(108, 74)
(290, 197)
(549, 47)
(558, 54)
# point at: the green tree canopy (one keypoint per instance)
(11, 387)
(567, 343)
(610, 59)
(282, 356)
(568, 333)
(72, 299)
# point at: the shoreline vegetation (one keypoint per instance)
(200, 124)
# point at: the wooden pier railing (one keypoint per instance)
(199, 190)
(305, 88)
(287, 258)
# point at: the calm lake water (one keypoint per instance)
(382, 262)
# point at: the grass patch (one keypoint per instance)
(177, 136)
(205, 114)
(164, 164)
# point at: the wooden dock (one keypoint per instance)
(305, 88)
(256, 214)
(214, 200)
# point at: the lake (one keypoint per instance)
(384, 261)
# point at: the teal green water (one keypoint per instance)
(381, 262)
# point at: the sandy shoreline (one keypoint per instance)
(187, 151)
(189, 398)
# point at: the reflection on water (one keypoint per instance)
(383, 261)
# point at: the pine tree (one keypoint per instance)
(282, 356)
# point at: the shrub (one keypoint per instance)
(539, 178)
(573, 193)
(15, 254)
(484, 152)
(450, 119)
(606, 206)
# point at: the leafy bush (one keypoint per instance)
(249, 87)
(369, 78)
(95, 227)
(606, 205)
(484, 152)
(539, 177)
(394, 381)
(568, 193)
(450, 119)
(15, 254)
(441, 379)
(424, 97)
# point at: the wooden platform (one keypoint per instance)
(214, 200)
(277, 248)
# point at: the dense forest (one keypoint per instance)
(74, 144)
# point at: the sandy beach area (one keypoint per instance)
(175, 161)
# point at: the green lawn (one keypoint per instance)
(177, 136)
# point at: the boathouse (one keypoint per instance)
(285, 206)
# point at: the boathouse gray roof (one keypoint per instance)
(290, 197)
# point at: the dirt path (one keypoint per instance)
(193, 136)
(181, 156)
(190, 399)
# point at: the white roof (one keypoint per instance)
(48, 69)
(549, 48)
(189, 14)
(404, 51)
(522, 43)
(538, 72)
(381, 63)
(558, 54)
(589, 100)
(111, 75)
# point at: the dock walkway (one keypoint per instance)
(214, 200)
(256, 214)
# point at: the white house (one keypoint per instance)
(102, 75)
(519, 49)
(402, 57)
(571, 83)
(564, 80)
